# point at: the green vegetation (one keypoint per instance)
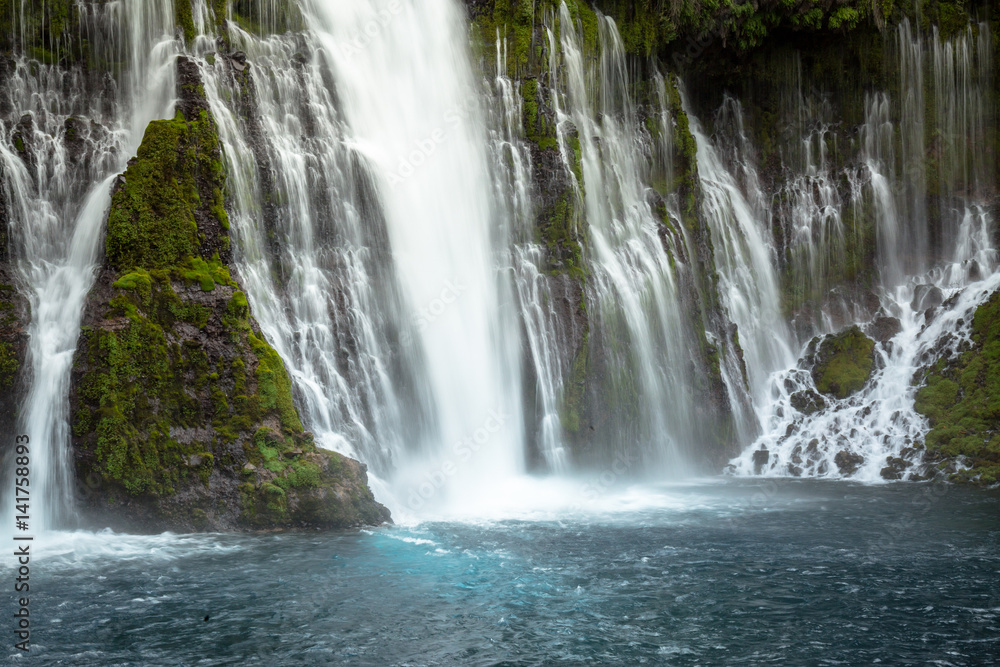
(960, 397)
(844, 363)
(179, 404)
(574, 390)
(178, 171)
(145, 379)
(184, 19)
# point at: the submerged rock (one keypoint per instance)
(843, 362)
(895, 467)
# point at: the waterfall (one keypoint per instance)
(879, 424)
(388, 230)
(76, 132)
(549, 340)
(372, 244)
(633, 294)
(745, 259)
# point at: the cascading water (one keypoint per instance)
(548, 340)
(58, 186)
(877, 433)
(637, 309)
(745, 259)
(376, 269)
(385, 232)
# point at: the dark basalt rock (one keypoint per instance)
(807, 402)
(848, 462)
(895, 467)
(760, 459)
(883, 329)
(926, 297)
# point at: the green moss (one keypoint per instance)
(961, 399)
(844, 362)
(274, 385)
(9, 366)
(152, 223)
(184, 19)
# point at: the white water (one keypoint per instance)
(633, 295)
(59, 206)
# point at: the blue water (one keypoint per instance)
(722, 573)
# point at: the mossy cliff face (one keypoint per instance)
(13, 323)
(960, 396)
(183, 417)
(258, 17)
(50, 29)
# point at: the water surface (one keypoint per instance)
(782, 572)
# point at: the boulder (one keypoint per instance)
(843, 363)
(926, 297)
(807, 402)
(760, 459)
(848, 462)
(883, 329)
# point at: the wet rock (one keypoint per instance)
(794, 470)
(883, 329)
(926, 297)
(843, 362)
(895, 467)
(760, 459)
(807, 402)
(848, 462)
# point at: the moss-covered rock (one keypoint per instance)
(183, 415)
(844, 362)
(170, 203)
(960, 396)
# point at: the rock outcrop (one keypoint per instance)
(182, 412)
